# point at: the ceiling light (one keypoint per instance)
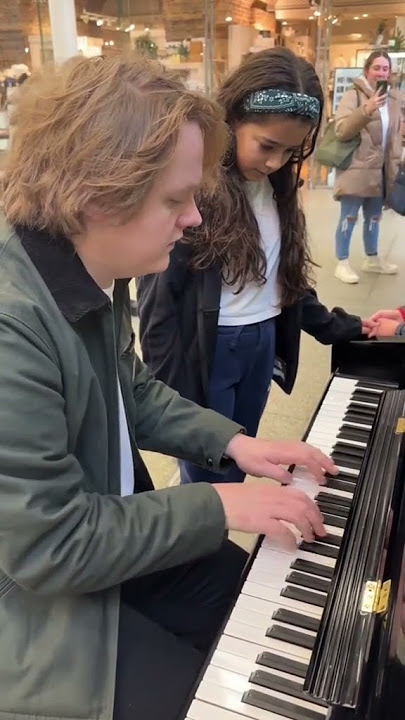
(365, 14)
(99, 22)
(311, 17)
(147, 29)
(356, 18)
(334, 21)
(284, 22)
(228, 18)
(317, 13)
(26, 49)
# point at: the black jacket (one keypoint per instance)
(179, 311)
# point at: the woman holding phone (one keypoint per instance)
(371, 109)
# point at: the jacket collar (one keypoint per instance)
(362, 84)
(73, 289)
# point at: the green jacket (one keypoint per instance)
(67, 538)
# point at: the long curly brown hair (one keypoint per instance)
(229, 233)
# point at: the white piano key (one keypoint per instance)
(239, 684)
(257, 636)
(222, 704)
(273, 595)
(263, 578)
(247, 650)
(200, 710)
(231, 697)
(261, 622)
(265, 607)
(242, 666)
(298, 554)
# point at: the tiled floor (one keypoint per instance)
(287, 417)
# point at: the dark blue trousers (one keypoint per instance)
(239, 386)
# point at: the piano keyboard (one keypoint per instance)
(258, 668)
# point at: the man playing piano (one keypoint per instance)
(111, 593)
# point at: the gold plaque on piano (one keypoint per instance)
(400, 429)
(370, 597)
(376, 597)
(383, 600)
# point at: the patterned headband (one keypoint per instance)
(282, 101)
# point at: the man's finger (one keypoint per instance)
(315, 517)
(276, 472)
(281, 536)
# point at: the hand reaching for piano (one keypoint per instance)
(263, 458)
(383, 323)
(264, 509)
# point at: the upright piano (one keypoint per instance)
(319, 633)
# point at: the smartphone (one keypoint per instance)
(382, 86)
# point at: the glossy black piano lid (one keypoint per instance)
(386, 691)
(375, 359)
(341, 669)
(383, 696)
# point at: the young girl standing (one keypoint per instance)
(227, 314)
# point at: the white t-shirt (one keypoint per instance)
(257, 302)
(126, 460)
(385, 119)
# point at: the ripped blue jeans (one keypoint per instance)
(349, 211)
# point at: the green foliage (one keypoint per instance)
(399, 41)
(145, 46)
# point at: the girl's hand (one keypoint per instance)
(385, 328)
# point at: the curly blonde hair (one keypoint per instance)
(99, 131)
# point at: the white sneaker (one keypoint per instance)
(344, 273)
(375, 264)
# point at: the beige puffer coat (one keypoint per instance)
(364, 178)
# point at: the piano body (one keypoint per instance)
(319, 633)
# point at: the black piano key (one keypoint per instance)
(351, 450)
(364, 396)
(329, 539)
(333, 509)
(319, 549)
(292, 637)
(282, 685)
(358, 412)
(351, 417)
(290, 617)
(312, 568)
(280, 707)
(374, 385)
(337, 499)
(361, 409)
(308, 581)
(296, 593)
(345, 485)
(347, 461)
(282, 664)
(334, 520)
(342, 476)
(347, 432)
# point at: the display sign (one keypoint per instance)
(342, 83)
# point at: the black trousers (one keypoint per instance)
(168, 623)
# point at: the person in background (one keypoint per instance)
(374, 114)
(228, 312)
(111, 593)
